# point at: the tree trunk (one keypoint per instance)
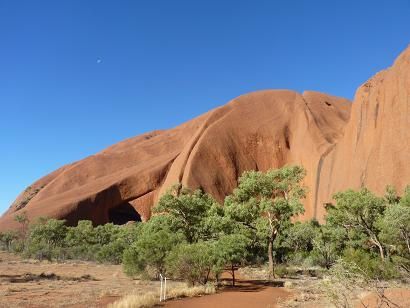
(381, 250)
(207, 275)
(270, 256)
(407, 239)
(233, 275)
(374, 239)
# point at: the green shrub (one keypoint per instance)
(112, 252)
(281, 270)
(371, 264)
(303, 259)
(44, 238)
(395, 228)
(328, 244)
(6, 240)
(192, 262)
(155, 241)
(51, 239)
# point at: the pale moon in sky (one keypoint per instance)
(99, 61)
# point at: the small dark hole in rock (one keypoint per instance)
(327, 103)
(123, 213)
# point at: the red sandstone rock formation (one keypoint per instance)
(375, 148)
(260, 130)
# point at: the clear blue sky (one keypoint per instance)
(78, 76)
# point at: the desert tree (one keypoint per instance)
(231, 251)
(195, 213)
(23, 220)
(154, 242)
(265, 202)
(395, 224)
(7, 238)
(358, 213)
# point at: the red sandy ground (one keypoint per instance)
(106, 283)
(247, 293)
(398, 296)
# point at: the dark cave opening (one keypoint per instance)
(123, 213)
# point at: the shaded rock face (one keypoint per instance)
(368, 146)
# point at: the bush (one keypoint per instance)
(395, 228)
(281, 270)
(114, 241)
(149, 251)
(192, 262)
(44, 238)
(6, 240)
(371, 265)
(327, 245)
(303, 259)
(112, 252)
(82, 241)
(51, 239)
(345, 279)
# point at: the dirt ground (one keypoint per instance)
(34, 284)
(29, 283)
(247, 293)
(399, 297)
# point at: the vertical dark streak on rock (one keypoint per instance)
(359, 129)
(318, 172)
(287, 137)
(376, 113)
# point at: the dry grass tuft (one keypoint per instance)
(146, 300)
(151, 299)
(191, 291)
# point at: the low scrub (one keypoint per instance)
(146, 300)
(192, 291)
(347, 279)
(371, 265)
(192, 237)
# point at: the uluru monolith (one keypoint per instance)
(375, 149)
(341, 145)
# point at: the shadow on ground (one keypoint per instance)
(250, 285)
(27, 277)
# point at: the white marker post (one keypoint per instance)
(163, 289)
(160, 291)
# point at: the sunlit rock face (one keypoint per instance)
(341, 145)
(375, 148)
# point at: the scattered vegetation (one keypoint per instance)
(51, 239)
(344, 281)
(29, 193)
(193, 238)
